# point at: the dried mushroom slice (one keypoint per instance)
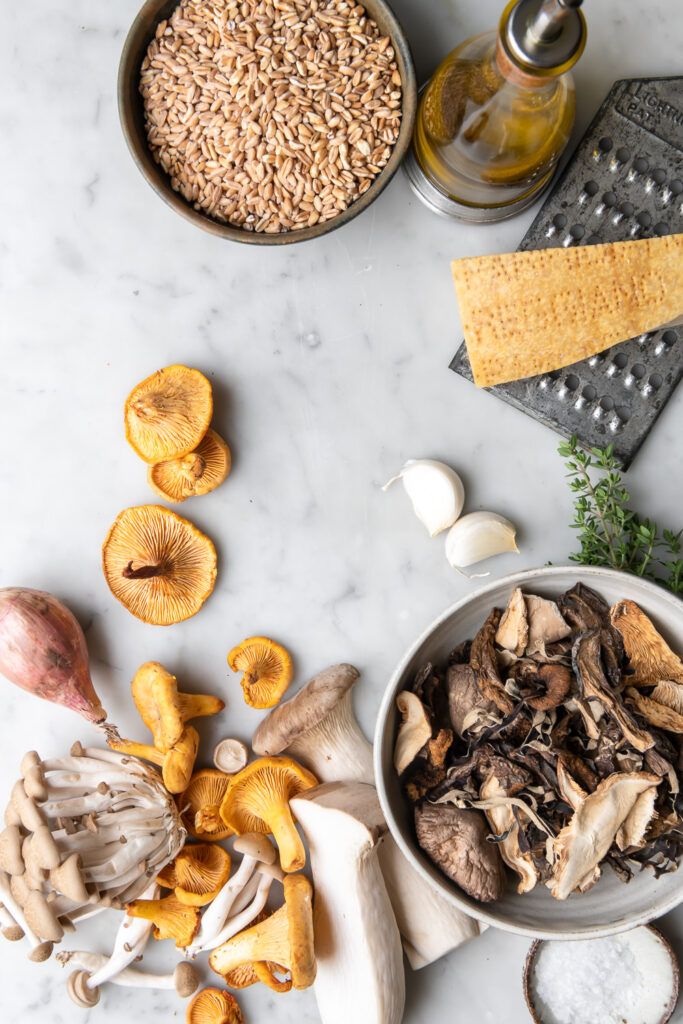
(651, 658)
(168, 414)
(267, 670)
(455, 839)
(191, 475)
(160, 566)
(583, 843)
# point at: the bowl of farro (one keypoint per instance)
(267, 121)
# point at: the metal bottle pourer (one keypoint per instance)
(547, 36)
(537, 40)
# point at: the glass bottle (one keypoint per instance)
(498, 112)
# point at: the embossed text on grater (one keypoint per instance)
(625, 180)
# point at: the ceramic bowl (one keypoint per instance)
(132, 121)
(669, 998)
(609, 907)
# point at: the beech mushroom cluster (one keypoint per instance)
(83, 833)
(554, 732)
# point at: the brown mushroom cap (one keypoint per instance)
(455, 840)
(198, 472)
(168, 413)
(185, 979)
(304, 710)
(157, 564)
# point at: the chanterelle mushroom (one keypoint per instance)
(172, 919)
(214, 1006)
(266, 667)
(168, 413)
(199, 472)
(286, 937)
(455, 839)
(158, 565)
(176, 764)
(200, 805)
(257, 800)
(165, 710)
(197, 874)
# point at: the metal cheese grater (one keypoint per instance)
(625, 180)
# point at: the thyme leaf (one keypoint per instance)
(611, 533)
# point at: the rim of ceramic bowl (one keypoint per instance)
(382, 763)
(131, 117)
(531, 960)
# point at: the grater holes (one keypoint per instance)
(607, 403)
(676, 186)
(577, 231)
(617, 365)
(661, 228)
(655, 380)
(608, 201)
(590, 189)
(640, 164)
(589, 393)
(620, 157)
(602, 149)
(644, 219)
(625, 210)
(560, 221)
(667, 339)
(659, 176)
(572, 382)
(594, 240)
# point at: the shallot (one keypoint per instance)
(43, 650)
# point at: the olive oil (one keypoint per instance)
(496, 116)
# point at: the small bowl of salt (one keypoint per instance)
(630, 978)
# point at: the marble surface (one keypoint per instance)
(329, 365)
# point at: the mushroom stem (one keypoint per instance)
(145, 572)
(130, 941)
(39, 950)
(179, 979)
(335, 748)
(216, 914)
(10, 929)
(240, 921)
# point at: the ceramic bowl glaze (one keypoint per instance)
(609, 907)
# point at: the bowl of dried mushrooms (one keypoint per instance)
(527, 752)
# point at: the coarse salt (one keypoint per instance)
(623, 979)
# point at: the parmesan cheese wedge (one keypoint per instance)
(525, 313)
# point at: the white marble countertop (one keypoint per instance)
(329, 362)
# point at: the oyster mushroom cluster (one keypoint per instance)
(83, 833)
(549, 744)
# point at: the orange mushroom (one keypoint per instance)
(158, 565)
(199, 472)
(257, 800)
(168, 413)
(267, 669)
(163, 709)
(197, 874)
(176, 764)
(213, 1006)
(200, 805)
(172, 919)
(285, 937)
(251, 973)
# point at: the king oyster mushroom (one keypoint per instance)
(319, 728)
(360, 973)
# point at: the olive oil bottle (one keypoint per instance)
(496, 115)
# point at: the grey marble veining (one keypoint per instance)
(329, 362)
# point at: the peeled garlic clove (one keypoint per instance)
(435, 490)
(477, 536)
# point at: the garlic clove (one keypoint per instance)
(477, 536)
(435, 490)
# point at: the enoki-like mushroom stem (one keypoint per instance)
(145, 572)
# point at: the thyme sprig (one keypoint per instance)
(610, 533)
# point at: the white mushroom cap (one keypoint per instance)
(185, 979)
(253, 844)
(230, 755)
(11, 859)
(77, 987)
(40, 918)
